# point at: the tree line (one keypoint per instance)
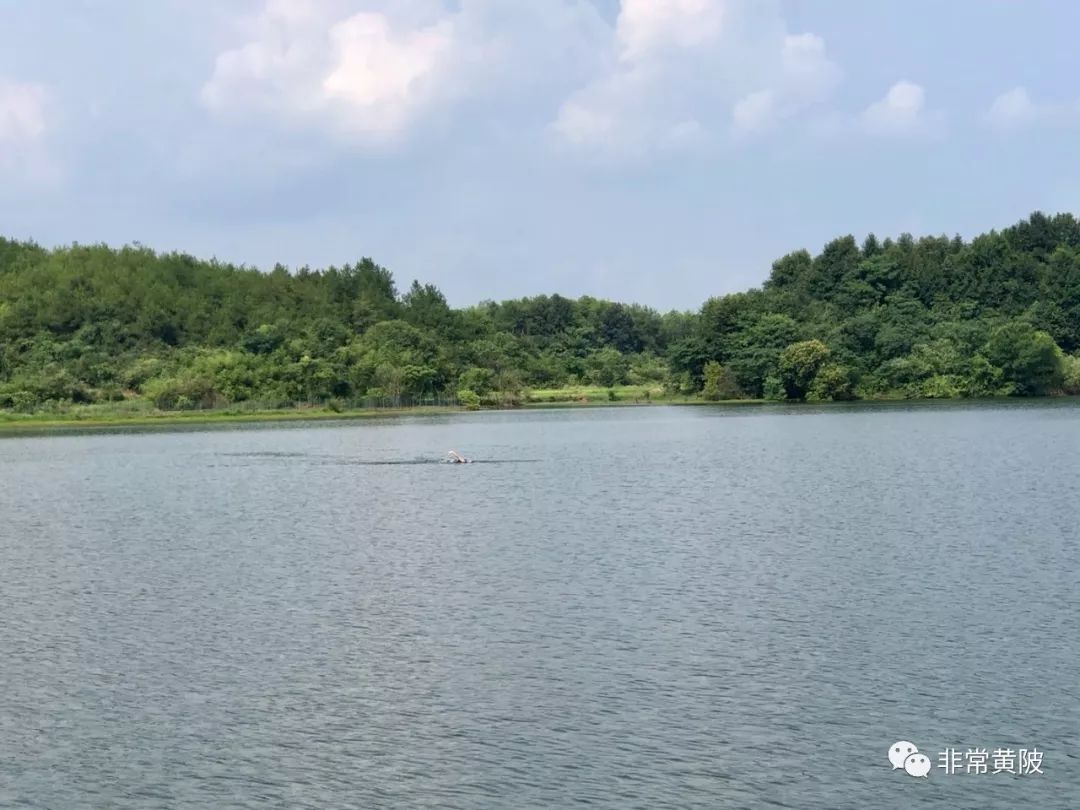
(906, 318)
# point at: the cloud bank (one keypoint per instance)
(665, 75)
(372, 72)
(24, 125)
(701, 66)
(1015, 109)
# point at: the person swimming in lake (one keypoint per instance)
(454, 457)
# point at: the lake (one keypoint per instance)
(697, 607)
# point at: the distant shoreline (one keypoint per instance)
(10, 423)
(91, 419)
(95, 417)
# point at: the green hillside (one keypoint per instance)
(929, 317)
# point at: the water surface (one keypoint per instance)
(637, 608)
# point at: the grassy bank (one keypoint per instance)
(91, 417)
(137, 413)
(593, 394)
(140, 414)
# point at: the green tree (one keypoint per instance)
(833, 381)
(720, 383)
(469, 399)
(933, 316)
(757, 349)
(1027, 357)
(390, 381)
(799, 365)
(1071, 369)
(712, 372)
(478, 380)
(607, 366)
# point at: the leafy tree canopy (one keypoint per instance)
(906, 317)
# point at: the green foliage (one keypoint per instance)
(680, 384)
(646, 369)
(509, 389)
(833, 382)
(607, 367)
(1027, 357)
(755, 351)
(263, 340)
(479, 380)
(984, 379)
(186, 392)
(1071, 374)
(772, 389)
(711, 389)
(720, 383)
(52, 384)
(941, 386)
(799, 364)
(928, 317)
(470, 400)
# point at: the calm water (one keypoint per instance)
(638, 608)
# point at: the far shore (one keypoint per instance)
(98, 417)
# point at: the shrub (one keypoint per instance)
(720, 383)
(469, 399)
(774, 389)
(1029, 358)
(1071, 383)
(645, 369)
(940, 386)
(833, 382)
(111, 393)
(479, 380)
(511, 399)
(142, 370)
(17, 399)
(183, 393)
(799, 364)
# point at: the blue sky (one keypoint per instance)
(657, 151)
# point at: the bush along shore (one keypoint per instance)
(136, 411)
(89, 332)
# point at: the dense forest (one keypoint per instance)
(903, 318)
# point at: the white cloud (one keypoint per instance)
(684, 135)
(1012, 108)
(380, 74)
(22, 112)
(668, 75)
(364, 74)
(372, 70)
(1015, 109)
(580, 124)
(24, 127)
(647, 27)
(806, 77)
(717, 63)
(902, 111)
(809, 75)
(603, 114)
(755, 111)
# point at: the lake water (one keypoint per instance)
(635, 608)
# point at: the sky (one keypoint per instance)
(650, 151)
